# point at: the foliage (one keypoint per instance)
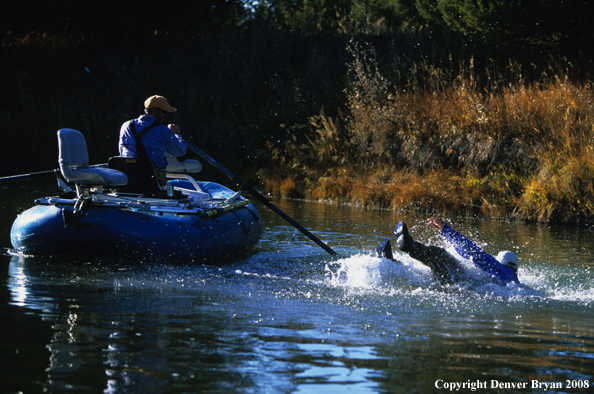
(120, 21)
(553, 21)
(515, 149)
(336, 16)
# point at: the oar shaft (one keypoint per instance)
(209, 159)
(259, 196)
(270, 205)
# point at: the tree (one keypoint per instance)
(119, 19)
(335, 15)
(548, 21)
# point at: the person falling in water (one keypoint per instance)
(445, 267)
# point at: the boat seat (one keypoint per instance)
(189, 165)
(74, 162)
(141, 175)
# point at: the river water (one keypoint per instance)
(293, 319)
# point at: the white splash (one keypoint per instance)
(366, 271)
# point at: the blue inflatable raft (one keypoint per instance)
(190, 221)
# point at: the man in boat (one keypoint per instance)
(445, 267)
(156, 137)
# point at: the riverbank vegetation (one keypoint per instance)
(387, 104)
(513, 149)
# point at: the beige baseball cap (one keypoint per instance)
(159, 102)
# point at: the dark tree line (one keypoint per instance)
(120, 20)
(558, 22)
(244, 72)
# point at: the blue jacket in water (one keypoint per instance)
(481, 259)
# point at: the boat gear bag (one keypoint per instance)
(142, 178)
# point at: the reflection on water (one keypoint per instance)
(293, 319)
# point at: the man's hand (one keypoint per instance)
(436, 223)
(174, 128)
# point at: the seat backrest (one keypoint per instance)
(188, 165)
(74, 162)
(141, 175)
(73, 149)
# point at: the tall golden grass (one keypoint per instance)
(455, 145)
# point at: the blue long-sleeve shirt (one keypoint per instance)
(481, 259)
(157, 141)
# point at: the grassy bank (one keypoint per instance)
(463, 144)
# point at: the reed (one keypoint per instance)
(456, 144)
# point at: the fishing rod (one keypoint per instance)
(38, 175)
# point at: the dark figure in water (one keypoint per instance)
(445, 267)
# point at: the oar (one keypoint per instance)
(258, 196)
(38, 175)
